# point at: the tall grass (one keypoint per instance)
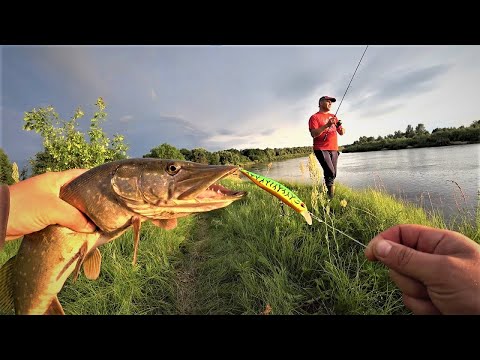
(257, 257)
(148, 288)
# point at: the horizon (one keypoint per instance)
(240, 97)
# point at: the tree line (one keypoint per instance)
(418, 137)
(66, 147)
(227, 157)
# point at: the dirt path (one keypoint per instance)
(187, 272)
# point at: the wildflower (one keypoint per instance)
(343, 203)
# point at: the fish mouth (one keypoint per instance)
(217, 192)
(197, 191)
(212, 192)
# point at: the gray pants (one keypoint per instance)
(328, 160)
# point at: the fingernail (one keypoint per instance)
(383, 248)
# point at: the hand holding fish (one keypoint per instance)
(437, 270)
(35, 204)
(116, 196)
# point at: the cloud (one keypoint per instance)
(381, 110)
(126, 119)
(152, 131)
(299, 84)
(235, 96)
(413, 82)
(384, 96)
(153, 94)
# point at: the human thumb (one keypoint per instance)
(403, 259)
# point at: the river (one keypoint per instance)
(442, 178)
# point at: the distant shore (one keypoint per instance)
(367, 147)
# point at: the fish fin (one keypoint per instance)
(167, 224)
(91, 265)
(55, 308)
(81, 256)
(136, 236)
(6, 286)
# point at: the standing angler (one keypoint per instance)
(324, 127)
(114, 196)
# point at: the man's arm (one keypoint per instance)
(316, 132)
(321, 129)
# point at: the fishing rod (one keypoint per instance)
(325, 137)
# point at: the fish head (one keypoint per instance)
(165, 189)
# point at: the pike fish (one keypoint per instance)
(115, 196)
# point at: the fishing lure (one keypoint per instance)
(280, 191)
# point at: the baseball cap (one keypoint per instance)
(332, 99)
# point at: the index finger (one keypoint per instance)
(66, 176)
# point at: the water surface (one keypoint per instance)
(444, 178)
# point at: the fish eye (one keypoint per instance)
(172, 169)
(302, 205)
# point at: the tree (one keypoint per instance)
(420, 130)
(65, 147)
(5, 169)
(409, 132)
(186, 153)
(398, 134)
(200, 155)
(270, 154)
(165, 151)
(214, 158)
(475, 124)
(24, 173)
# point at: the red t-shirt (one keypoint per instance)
(330, 143)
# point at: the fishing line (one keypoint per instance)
(325, 137)
(341, 232)
(351, 80)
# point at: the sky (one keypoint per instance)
(222, 97)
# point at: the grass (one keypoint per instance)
(254, 258)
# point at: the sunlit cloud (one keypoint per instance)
(153, 94)
(237, 96)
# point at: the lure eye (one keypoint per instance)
(172, 169)
(302, 205)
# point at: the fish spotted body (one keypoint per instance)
(280, 191)
(115, 196)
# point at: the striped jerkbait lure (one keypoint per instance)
(280, 191)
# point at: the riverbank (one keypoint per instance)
(427, 177)
(276, 159)
(253, 258)
(381, 146)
